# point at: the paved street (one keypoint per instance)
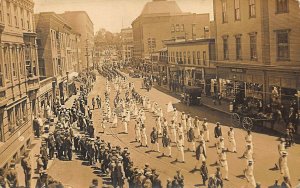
(265, 149)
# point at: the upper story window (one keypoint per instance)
(22, 18)
(237, 13)
(253, 48)
(8, 14)
(198, 57)
(283, 49)
(225, 48)
(252, 9)
(204, 57)
(184, 57)
(16, 16)
(238, 47)
(28, 21)
(1, 11)
(189, 57)
(281, 6)
(182, 28)
(177, 28)
(194, 57)
(224, 11)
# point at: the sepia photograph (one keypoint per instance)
(149, 93)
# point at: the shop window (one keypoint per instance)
(10, 119)
(283, 45)
(180, 56)
(198, 58)
(194, 57)
(1, 127)
(237, 13)
(281, 6)
(252, 9)
(184, 57)
(224, 11)
(189, 57)
(177, 28)
(182, 28)
(204, 58)
(253, 50)
(238, 47)
(225, 49)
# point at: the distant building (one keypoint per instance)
(19, 78)
(191, 63)
(58, 57)
(82, 24)
(127, 45)
(161, 20)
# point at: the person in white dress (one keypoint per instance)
(205, 129)
(183, 120)
(231, 140)
(158, 125)
(180, 147)
(144, 140)
(137, 129)
(115, 120)
(173, 131)
(248, 172)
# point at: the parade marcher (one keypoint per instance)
(98, 99)
(200, 154)
(183, 120)
(158, 125)
(93, 103)
(103, 125)
(283, 165)
(173, 131)
(218, 131)
(137, 129)
(115, 120)
(204, 172)
(125, 125)
(219, 178)
(94, 184)
(248, 154)
(223, 163)
(180, 147)
(248, 172)
(191, 140)
(144, 140)
(166, 142)
(154, 140)
(286, 183)
(205, 129)
(231, 140)
(248, 138)
(180, 178)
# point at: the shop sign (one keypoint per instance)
(237, 70)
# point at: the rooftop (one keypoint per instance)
(161, 7)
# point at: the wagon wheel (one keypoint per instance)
(247, 123)
(235, 120)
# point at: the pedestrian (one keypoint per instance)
(283, 165)
(36, 127)
(218, 131)
(183, 120)
(144, 141)
(93, 103)
(98, 99)
(137, 129)
(219, 178)
(94, 184)
(166, 142)
(204, 172)
(156, 181)
(231, 140)
(12, 175)
(180, 178)
(26, 165)
(173, 131)
(286, 182)
(115, 120)
(103, 125)
(224, 163)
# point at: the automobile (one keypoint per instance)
(191, 95)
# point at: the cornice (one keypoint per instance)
(26, 4)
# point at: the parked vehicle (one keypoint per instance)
(191, 95)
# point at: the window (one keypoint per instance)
(182, 28)
(16, 16)
(282, 6)
(14, 62)
(177, 28)
(225, 48)
(198, 57)
(184, 57)
(180, 55)
(189, 57)
(177, 57)
(28, 21)
(8, 14)
(1, 13)
(22, 18)
(224, 11)
(237, 14)
(194, 57)
(238, 47)
(253, 50)
(283, 45)
(1, 127)
(252, 11)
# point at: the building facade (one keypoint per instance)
(161, 20)
(127, 45)
(81, 23)
(257, 48)
(58, 58)
(191, 63)
(19, 78)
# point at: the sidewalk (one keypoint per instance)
(206, 101)
(34, 150)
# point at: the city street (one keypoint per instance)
(265, 148)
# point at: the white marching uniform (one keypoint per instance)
(205, 130)
(183, 121)
(173, 132)
(223, 163)
(144, 137)
(284, 169)
(158, 125)
(180, 147)
(249, 175)
(231, 140)
(137, 132)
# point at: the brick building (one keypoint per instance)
(19, 78)
(58, 57)
(127, 44)
(81, 23)
(161, 20)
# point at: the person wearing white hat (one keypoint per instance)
(183, 120)
(231, 140)
(173, 131)
(115, 120)
(175, 115)
(137, 129)
(248, 172)
(283, 165)
(223, 162)
(158, 125)
(249, 139)
(281, 146)
(180, 147)
(144, 140)
(125, 125)
(205, 129)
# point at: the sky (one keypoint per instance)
(115, 14)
